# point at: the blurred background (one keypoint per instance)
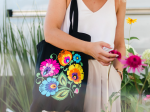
(20, 33)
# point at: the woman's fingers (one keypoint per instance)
(105, 59)
(104, 44)
(108, 55)
(104, 64)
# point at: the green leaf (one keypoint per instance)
(126, 38)
(116, 98)
(38, 74)
(62, 79)
(130, 51)
(81, 63)
(102, 111)
(110, 98)
(131, 38)
(61, 95)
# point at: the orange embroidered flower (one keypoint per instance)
(75, 73)
(64, 57)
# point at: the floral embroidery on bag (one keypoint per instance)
(49, 87)
(64, 57)
(77, 58)
(60, 85)
(75, 73)
(49, 67)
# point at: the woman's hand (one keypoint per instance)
(95, 49)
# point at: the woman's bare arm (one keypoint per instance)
(53, 21)
(119, 38)
(53, 35)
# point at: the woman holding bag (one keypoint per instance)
(103, 20)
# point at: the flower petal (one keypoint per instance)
(129, 69)
(53, 93)
(133, 69)
(48, 94)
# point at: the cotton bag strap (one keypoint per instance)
(74, 15)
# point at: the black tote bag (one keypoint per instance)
(61, 75)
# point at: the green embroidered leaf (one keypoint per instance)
(38, 74)
(61, 66)
(69, 82)
(62, 79)
(71, 62)
(79, 85)
(63, 88)
(61, 95)
(55, 76)
(66, 69)
(74, 87)
(81, 63)
(51, 56)
(38, 82)
(73, 52)
(70, 95)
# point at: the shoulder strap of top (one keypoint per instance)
(73, 10)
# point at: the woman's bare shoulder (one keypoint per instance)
(68, 2)
(118, 4)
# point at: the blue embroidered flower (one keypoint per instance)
(49, 87)
(77, 58)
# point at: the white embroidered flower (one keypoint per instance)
(146, 55)
(128, 47)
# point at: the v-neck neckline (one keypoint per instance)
(97, 10)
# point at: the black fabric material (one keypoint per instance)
(44, 50)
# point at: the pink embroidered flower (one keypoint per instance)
(49, 67)
(147, 97)
(134, 62)
(116, 52)
(76, 91)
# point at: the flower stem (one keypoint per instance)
(136, 84)
(108, 84)
(140, 95)
(129, 33)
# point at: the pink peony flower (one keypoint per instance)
(147, 97)
(49, 67)
(76, 91)
(134, 62)
(116, 52)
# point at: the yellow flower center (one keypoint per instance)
(53, 86)
(74, 77)
(77, 57)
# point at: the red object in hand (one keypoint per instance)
(116, 52)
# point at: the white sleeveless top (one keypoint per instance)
(100, 25)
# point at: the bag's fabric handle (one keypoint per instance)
(73, 10)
